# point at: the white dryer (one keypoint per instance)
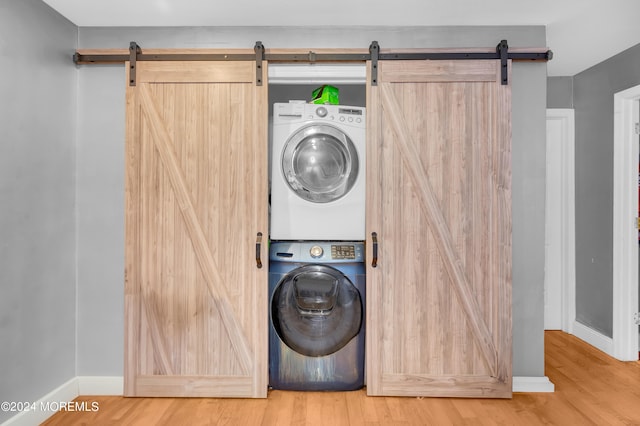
(318, 172)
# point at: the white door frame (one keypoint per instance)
(562, 272)
(625, 211)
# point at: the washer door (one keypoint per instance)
(320, 163)
(316, 310)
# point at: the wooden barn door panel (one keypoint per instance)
(195, 302)
(439, 179)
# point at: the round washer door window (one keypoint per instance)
(316, 310)
(320, 163)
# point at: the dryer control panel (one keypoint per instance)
(299, 112)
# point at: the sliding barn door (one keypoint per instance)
(439, 203)
(196, 199)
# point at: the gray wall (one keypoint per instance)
(101, 155)
(37, 201)
(100, 200)
(593, 101)
(560, 92)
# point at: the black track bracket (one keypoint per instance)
(134, 51)
(374, 52)
(259, 49)
(503, 50)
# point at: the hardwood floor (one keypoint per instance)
(591, 389)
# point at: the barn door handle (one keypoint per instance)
(258, 245)
(374, 261)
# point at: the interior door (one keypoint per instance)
(439, 203)
(196, 199)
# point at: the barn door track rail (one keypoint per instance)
(136, 54)
(501, 53)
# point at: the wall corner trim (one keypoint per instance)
(532, 384)
(70, 390)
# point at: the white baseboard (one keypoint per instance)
(593, 337)
(532, 384)
(46, 406)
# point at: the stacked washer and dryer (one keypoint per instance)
(316, 256)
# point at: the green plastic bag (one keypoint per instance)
(326, 95)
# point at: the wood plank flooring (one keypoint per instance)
(591, 389)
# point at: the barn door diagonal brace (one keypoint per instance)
(134, 51)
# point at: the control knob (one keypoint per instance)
(322, 112)
(316, 252)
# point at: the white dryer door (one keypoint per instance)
(320, 163)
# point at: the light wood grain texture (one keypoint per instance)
(258, 131)
(124, 54)
(205, 51)
(442, 71)
(194, 386)
(440, 317)
(592, 389)
(208, 266)
(195, 300)
(196, 72)
(305, 51)
(167, 51)
(373, 336)
(132, 302)
(438, 224)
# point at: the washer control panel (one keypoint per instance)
(343, 252)
(317, 251)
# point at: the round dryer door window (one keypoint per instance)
(320, 163)
(316, 310)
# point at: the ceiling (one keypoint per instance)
(581, 33)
